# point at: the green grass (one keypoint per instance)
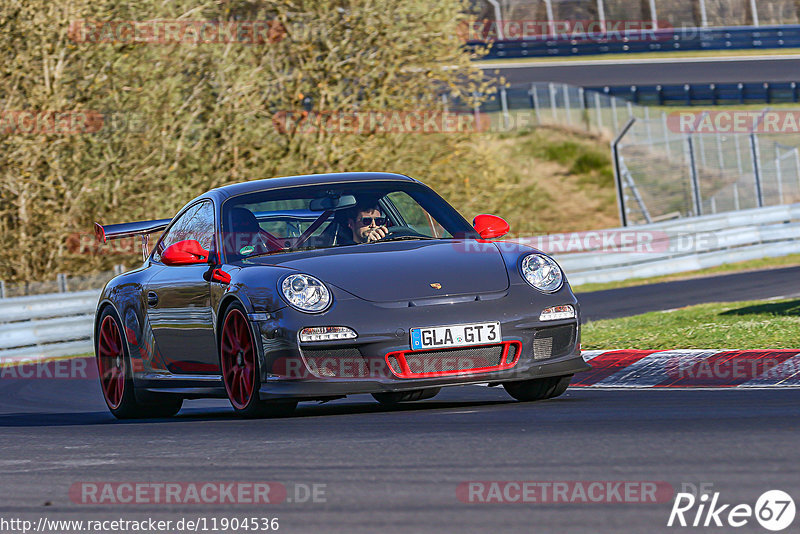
(771, 324)
(791, 260)
(651, 55)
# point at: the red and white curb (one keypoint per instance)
(690, 368)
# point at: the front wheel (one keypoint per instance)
(240, 372)
(538, 388)
(116, 379)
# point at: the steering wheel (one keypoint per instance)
(401, 231)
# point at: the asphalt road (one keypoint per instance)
(654, 71)
(378, 469)
(754, 285)
(397, 469)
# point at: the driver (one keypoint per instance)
(367, 223)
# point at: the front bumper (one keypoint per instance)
(333, 387)
(317, 370)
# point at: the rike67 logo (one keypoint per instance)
(774, 510)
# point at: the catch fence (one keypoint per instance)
(664, 171)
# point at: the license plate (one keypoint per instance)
(437, 337)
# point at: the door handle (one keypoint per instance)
(152, 298)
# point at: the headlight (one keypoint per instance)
(305, 293)
(542, 272)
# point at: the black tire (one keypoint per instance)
(395, 397)
(114, 369)
(245, 404)
(538, 388)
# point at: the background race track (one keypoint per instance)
(653, 71)
(754, 285)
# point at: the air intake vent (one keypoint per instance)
(553, 342)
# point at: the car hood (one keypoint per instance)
(406, 270)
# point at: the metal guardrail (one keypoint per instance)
(687, 245)
(705, 94)
(665, 39)
(52, 325)
(61, 324)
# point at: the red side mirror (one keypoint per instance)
(188, 252)
(490, 226)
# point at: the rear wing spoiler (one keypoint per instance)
(142, 228)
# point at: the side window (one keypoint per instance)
(196, 223)
(415, 215)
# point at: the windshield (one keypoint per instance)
(335, 215)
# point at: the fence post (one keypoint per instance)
(549, 10)
(666, 133)
(119, 269)
(702, 150)
(504, 104)
(582, 103)
(535, 103)
(623, 217)
(698, 203)
(738, 154)
(756, 170)
(720, 159)
(597, 109)
(61, 278)
(653, 16)
(565, 91)
(797, 165)
(703, 14)
(778, 176)
(551, 90)
(754, 12)
(476, 111)
(445, 105)
(736, 196)
(2, 289)
(615, 122)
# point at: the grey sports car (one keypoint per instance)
(316, 287)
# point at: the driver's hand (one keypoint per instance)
(376, 234)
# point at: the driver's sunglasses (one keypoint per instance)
(367, 221)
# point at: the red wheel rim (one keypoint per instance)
(111, 362)
(238, 359)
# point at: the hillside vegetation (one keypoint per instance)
(155, 124)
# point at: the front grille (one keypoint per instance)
(347, 352)
(553, 342)
(346, 362)
(409, 364)
(454, 359)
